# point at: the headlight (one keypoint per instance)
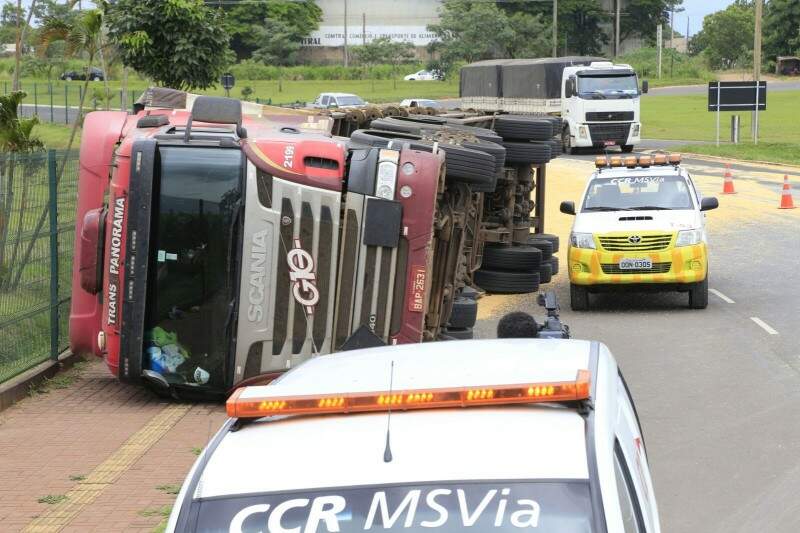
(636, 129)
(582, 240)
(689, 237)
(582, 131)
(386, 181)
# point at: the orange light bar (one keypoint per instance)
(674, 159)
(660, 159)
(630, 161)
(601, 161)
(556, 391)
(616, 161)
(645, 161)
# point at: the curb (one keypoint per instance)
(18, 387)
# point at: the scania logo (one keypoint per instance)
(634, 239)
(304, 279)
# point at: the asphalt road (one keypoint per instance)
(716, 389)
(792, 85)
(58, 114)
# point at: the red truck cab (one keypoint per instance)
(214, 246)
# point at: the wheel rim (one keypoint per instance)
(565, 141)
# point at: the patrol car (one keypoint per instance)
(491, 436)
(641, 226)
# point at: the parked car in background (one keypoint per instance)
(425, 75)
(421, 102)
(334, 100)
(95, 74)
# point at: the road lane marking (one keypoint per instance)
(721, 296)
(85, 492)
(766, 327)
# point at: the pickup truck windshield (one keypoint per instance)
(187, 333)
(637, 193)
(486, 507)
(607, 87)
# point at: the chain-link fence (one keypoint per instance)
(37, 231)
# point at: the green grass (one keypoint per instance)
(772, 152)
(77, 477)
(56, 136)
(171, 488)
(61, 380)
(687, 118)
(52, 499)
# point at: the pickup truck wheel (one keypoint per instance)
(464, 313)
(546, 272)
(526, 152)
(626, 148)
(502, 282)
(455, 334)
(523, 128)
(515, 258)
(578, 297)
(542, 244)
(698, 295)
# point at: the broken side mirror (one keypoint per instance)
(708, 203)
(568, 207)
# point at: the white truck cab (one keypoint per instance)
(490, 436)
(600, 106)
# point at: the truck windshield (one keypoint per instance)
(192, 246)
(488, 507)
(607, 87)
(637, 193)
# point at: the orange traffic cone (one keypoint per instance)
(787, 202)
(727, 188)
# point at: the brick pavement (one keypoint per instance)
(48, 438)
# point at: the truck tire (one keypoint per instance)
(523, 128)
(556, 147)
(545, 272)
(457, 334)
(554, 240)
(554, 264)
(516, 258)
(526, 152)
(495, 150)
(698, 295)
(502, 282)
(417, 123)
(469, 292)
(566, 142)
(626, 148)
(542, 244)
(578, 297)
(464, 313)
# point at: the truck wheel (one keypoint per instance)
(545, 272)
(526, 152)
(502, 282)
(626, 148)
(556, 147)
(542, 244)
(523, 128)
(578, 297)
(553, 239)
(516, 258)
(464, 314)
(554, 264)
(456, 334)
(566, 142)
(469, 292)
(495, 150)
(698, 295)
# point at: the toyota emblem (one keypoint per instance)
(634, 239)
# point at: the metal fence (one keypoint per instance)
(37, 230)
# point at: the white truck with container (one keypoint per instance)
(597, 100)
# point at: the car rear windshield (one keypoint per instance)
(562, 506)
(638, 193)
(192, 250)
(349, 100)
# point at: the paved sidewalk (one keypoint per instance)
(96, 455)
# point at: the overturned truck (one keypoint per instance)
(222, 243)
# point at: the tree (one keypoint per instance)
(178, 43)
(727, 35)
(643, 16)
(532, 36)
(275, 42)
(781, 28)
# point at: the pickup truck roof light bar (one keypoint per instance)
(244, 405)
(631, 161)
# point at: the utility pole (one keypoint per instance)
(616, 29)
(757, 64)
(659, 44)
(671, 25)
(363, 28)
(687, 34)
(345, 33)
(555, 28)
(18, 49)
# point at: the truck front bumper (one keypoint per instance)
(598, 134)
(683, 265)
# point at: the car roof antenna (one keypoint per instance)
(387, 452)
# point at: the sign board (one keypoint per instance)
(228, 81)
(737, 96)
(357, 34)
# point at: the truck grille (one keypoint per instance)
(646, 243)
(618, 133)
(658, 268)
(611, 116)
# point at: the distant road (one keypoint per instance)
(703, 89)
(58, 116)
